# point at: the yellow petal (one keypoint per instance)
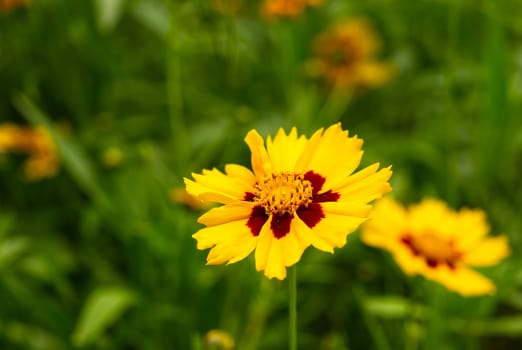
(347, 208)
(433, 216)
(488, 252)
(269, 255)
(274, 255)
(410, 263)
(373, 73)
(462, 280)
(260, 160)
(230, 242)
(231, 252)
(471, 227)
(227, 213)
(214, 186)
(284, 150)
(332, 155)
(241, 172)
(388, 217)
(332, 230)
(365, 185)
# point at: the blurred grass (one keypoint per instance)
(173, 86)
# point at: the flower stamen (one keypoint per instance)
(283, 193)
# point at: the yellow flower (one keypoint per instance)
(301, 192)
(287, 8)
(181, 196)
(344, 56)
(112, 157)
(432, 240)
(217, 339)
(37, 143)
(8, 136)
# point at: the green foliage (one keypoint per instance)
(137, 94)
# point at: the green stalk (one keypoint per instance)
(174, 92)
(292, 307)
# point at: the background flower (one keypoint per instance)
(432, 240)
(37, 144)
(287, 8)
(345, 55)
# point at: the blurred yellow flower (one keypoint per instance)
(8, 5)
(36, 143)
(217, 339)
(287, 8)
(434, 241)
(181, 196)
(301, 192)
(344, 56)
(112, 157)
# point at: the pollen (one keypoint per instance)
(283, 193)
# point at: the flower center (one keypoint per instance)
(283, 193)
(435, 249)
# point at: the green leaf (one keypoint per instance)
(501, 326)
(11, 249)
(391, 306)
(102, 309)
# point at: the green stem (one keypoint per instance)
(292, 307)
(175, 93)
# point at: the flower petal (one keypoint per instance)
(214, 186)
(488, 252)
(273, 255)
(284, 150)
(333, 155)
(230, 242)
(386, 224)
(474, 224)
(240, 172)
(260, 160)
(227, 213)
(462, 280)
(347, 208)
(331, 230)
(373, 73)
(365, 185)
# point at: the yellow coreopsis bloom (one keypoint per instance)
(37, 143)
(434, 241)
(345, 56)
(287, 8)
(301, 192)
(218, 339)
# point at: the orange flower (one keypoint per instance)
(36, 143)
(8, 5)
(287, 8)
(344, 56)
